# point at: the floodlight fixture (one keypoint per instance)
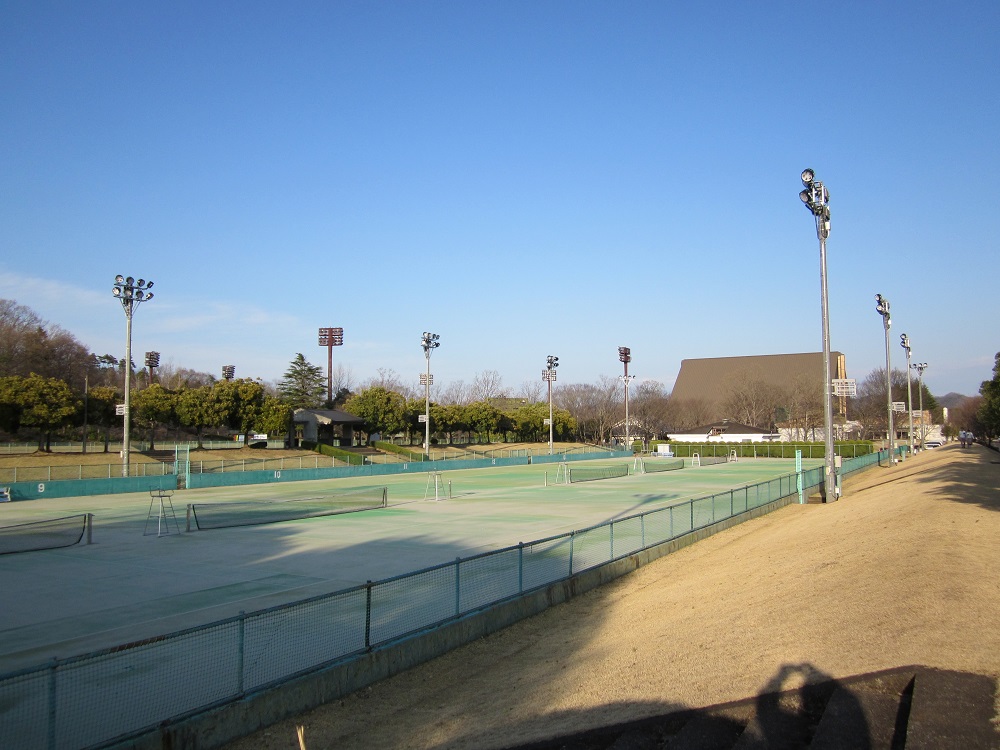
(228, 372)
(130, 294)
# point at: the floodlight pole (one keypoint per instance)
(817, 199)
(625, 356)
(549, 376)
(904, 341)
(428, 341)
(130, 293)
(920, 367)
(882, 308)
(330, 337)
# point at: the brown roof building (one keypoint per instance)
(711, 381)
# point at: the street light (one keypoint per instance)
(625, 356)
(882, 308)
(429, 341)
(131, 293)
(228, 372)
(920, 367)
(549, 376)
(330, 337)
(904, 341)
(817, 199)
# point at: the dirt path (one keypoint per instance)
(904, 570)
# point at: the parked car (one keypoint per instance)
(932, 444)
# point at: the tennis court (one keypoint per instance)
(132, 583)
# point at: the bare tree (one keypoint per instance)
(683, 414)
(595, 407)
(343, 378)
(803, 406)
(456, 392)
(749, 399)
(487, 386)
(533, 391)
(649, 406)
(388, 379)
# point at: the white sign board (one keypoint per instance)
(845, 387)
(120, 410)
(899, 406)
(421, 417)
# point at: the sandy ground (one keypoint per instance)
(904, 570)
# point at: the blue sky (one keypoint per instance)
(522, 178)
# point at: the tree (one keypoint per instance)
(303, 386)
(242, 401)
(487, 386)
(383, 410)
(44, 403)
(649, 405)
(484, 419)
(595, 407)
(154, 405)
(275, 416)
(30, 345)
(750, 400)
(199, 408)
(101, 403)
(988, 412)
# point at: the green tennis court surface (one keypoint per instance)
(128, 585)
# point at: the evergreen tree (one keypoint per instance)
(303, 386)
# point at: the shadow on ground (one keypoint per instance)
(909, 707)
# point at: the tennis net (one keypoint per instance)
(254, 513)
(662, 464)
(591, 473)
(37, 535)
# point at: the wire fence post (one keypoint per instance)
(572, 537)
(52, 704)
(368, 616)
(242, 660)
(520, 567)
(458, 586)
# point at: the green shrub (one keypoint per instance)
(329, 450)
(400, 450)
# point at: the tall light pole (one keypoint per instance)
(549, 376)
(330, 337)
(625, 356)
(904, 341)
(882, 308)
(130, 293)
(817, 199)
(429, 341)
(920, 367)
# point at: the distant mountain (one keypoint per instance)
(951, 400)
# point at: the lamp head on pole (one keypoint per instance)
(816, 198)
(429, 341)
